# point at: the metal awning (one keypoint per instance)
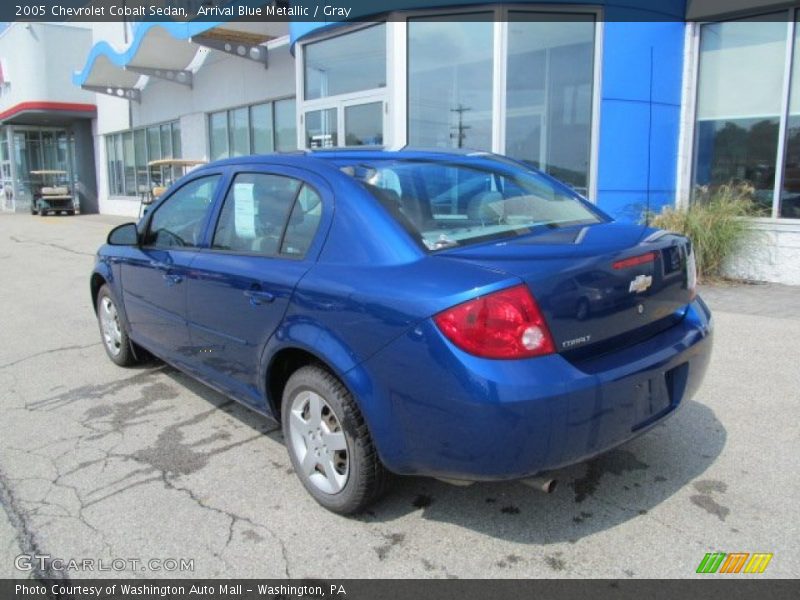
(165, 50)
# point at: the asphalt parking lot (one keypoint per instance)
(102, 462)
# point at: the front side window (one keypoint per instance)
(255, 213)
(445, 204)
(178, 221)
(345, 64)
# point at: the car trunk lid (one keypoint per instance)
(599, 286)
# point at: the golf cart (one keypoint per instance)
(163, 173)
(51, 193)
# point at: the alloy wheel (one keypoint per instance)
(318, 442)
(109, 324)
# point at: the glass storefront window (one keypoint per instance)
(321, 128)
(129, 162)
(119, 178)
(363, 124)
(790, 190)
(153, 143)
(140, 151)
(239, 131)
(254, 129)
(110, 161)
(741, 69)
(549, 81)
(176, 139)
(348, 63)
(450, 79)
(218, 134)
(128, 154)
(261, 130)
(285, 125)
(166, 141)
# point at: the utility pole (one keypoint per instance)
(460, 130)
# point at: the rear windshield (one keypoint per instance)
(445, 204)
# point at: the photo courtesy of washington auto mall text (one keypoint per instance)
(108, 590)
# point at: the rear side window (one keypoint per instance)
(303, 222)
(178, 221)
(255, 213)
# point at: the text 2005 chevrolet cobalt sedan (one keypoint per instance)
(460, 316)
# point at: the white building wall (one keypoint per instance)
(38, 60)
(223, 81)
(112, 113)
(194, 133)
(771, 254)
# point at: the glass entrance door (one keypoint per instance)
(6, 177)
(39, 149)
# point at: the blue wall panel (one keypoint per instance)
(630, 124)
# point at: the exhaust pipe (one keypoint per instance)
(543, 484)
(455, 482)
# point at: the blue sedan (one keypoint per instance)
(448, 314)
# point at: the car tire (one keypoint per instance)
(112, 332)
(42, 212)
(343, 483)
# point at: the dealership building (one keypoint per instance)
(637, 108)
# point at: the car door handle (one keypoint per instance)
(258, 297)
(172, 278)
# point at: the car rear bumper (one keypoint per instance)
(435, 410)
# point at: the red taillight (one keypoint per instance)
(505, 324)
(634, 260)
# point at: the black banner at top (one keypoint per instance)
(330, 11)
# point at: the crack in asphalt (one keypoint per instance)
(49, 244)
(168, 457)
(25, 536)
(46, 352)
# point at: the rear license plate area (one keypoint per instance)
(657, 395)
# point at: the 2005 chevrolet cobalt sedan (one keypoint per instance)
(455, 315)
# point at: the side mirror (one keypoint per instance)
(124, 235)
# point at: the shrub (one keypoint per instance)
(714, 223)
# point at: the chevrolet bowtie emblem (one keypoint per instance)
(640, 283)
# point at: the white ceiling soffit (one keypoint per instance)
(106, 73)
(159, 50)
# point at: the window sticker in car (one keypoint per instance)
(244, 210)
